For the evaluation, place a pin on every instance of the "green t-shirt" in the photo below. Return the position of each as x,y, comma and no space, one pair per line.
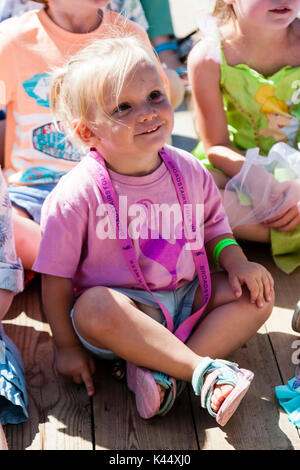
261,111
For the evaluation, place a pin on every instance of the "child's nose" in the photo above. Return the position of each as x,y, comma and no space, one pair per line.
148,112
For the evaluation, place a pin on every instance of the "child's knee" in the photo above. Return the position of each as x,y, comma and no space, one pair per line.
269,305
263,313
99,309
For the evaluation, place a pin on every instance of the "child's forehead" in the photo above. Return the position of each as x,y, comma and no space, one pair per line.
144,75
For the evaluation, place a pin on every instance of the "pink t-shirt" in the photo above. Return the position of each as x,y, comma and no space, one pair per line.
80,243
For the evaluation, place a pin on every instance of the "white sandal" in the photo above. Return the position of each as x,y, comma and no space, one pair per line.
211,372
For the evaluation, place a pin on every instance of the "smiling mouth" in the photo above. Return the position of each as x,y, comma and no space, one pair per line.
280,10
151,131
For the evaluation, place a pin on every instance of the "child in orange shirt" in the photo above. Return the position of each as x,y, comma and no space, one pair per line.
36,153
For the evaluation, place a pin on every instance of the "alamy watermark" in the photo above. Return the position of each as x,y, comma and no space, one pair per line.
146,220
296,354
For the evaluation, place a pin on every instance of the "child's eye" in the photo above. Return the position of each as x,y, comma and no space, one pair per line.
155,95
122,107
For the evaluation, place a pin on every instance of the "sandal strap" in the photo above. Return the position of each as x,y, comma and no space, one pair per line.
161,379
180,387
181,71
170,385
220,372
166,46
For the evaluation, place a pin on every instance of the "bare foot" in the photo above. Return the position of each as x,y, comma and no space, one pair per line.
161,391
219,394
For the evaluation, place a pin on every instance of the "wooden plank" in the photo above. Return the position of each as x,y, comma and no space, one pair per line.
59,412
279,324
255,425
118,426
259,423
285,342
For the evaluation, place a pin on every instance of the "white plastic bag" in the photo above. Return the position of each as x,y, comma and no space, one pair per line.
265,187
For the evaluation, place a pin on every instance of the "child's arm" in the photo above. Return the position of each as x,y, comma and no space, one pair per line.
241,271
204,76
72,359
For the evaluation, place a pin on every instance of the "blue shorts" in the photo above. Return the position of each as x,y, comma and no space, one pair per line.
178,302
13,395
30,198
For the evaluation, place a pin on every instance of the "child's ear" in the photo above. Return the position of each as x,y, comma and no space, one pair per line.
85,134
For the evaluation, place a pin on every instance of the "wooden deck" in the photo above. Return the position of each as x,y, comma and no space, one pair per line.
62,417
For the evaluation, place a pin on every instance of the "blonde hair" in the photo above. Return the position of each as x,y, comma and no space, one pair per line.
79,87
223,12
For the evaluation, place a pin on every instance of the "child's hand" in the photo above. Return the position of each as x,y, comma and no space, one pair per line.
258,280
286,221
77,363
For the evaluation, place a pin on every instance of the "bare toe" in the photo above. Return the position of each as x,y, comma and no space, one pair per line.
219,394
162,392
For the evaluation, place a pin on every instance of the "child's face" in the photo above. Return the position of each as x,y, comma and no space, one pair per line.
273,13
141,120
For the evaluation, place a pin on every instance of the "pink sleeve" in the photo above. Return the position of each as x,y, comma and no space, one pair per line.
63,233
215,218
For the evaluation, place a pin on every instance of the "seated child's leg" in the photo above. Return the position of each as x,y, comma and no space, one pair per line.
109,320
235,212
6,298
27,237
229,322
3,443
227,325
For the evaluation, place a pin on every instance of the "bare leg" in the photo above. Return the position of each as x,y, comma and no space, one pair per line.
228,322
27,235
3,442
109,320
254,232
6,298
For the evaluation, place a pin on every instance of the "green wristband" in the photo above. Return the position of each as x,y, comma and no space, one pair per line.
220,246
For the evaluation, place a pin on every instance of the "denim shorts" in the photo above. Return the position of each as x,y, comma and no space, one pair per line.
30,198
178,302
13,394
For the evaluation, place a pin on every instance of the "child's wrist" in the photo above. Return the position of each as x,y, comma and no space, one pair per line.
220,246
231,256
